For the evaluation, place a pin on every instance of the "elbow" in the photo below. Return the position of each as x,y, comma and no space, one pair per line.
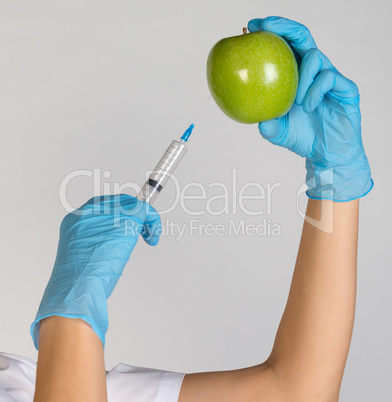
297,385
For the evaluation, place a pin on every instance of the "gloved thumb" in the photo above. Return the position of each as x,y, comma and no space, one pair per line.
152,227
273,130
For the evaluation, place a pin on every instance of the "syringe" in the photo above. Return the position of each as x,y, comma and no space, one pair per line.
166,166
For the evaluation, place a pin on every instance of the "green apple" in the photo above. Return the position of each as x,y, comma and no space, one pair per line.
253,77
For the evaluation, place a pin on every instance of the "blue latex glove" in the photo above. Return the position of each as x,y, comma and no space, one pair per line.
95,244
324,124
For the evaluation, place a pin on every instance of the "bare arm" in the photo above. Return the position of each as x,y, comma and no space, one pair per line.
310,351
314,335
70,362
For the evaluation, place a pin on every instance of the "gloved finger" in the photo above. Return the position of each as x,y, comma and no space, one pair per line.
312,64
274,130
123,209
328,81
152,228
147,218
255,25
296,34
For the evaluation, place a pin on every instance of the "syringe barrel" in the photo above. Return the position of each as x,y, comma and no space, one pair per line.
162,172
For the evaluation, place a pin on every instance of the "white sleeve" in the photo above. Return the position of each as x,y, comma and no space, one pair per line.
126,383
17,378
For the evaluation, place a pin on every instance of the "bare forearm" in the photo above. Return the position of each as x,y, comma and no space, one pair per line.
70,362
314,336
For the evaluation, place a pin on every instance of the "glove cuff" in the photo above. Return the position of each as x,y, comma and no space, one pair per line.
91,307
35,326
339,183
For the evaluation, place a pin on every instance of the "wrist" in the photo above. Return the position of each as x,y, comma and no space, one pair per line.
64,329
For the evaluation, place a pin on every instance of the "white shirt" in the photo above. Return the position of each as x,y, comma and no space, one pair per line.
124,383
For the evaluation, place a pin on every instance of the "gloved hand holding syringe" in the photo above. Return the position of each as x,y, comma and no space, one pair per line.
167,164
69,293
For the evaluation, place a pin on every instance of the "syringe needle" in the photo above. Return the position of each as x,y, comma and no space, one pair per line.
189,130
205,104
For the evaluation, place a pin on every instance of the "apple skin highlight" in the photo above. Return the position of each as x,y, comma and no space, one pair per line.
253,77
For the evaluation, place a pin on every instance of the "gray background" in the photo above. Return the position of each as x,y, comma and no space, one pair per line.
108,84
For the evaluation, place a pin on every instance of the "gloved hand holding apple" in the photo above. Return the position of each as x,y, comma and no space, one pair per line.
253,78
